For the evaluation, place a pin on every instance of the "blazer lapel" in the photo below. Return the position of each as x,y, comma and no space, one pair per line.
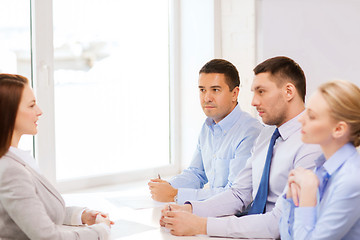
41,178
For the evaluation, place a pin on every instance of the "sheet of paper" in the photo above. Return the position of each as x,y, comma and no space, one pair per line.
123,228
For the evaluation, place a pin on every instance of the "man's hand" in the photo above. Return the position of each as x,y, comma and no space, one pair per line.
161,190
174,207
183,223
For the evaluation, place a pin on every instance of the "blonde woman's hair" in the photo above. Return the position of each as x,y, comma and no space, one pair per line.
343,98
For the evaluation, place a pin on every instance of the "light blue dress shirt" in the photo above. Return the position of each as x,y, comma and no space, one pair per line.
221,153
289,152
337,213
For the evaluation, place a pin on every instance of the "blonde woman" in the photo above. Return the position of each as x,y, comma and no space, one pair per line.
30,207
325,203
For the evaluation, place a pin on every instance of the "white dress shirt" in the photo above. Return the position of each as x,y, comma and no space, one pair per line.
289,152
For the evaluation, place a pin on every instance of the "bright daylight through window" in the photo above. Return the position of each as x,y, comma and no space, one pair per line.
111,60
15,57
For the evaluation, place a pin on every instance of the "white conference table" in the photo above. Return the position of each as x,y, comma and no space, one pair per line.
136,216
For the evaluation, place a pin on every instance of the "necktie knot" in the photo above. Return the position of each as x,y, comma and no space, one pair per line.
276,134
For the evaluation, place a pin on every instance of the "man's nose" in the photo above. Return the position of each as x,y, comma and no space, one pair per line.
254,101
208,97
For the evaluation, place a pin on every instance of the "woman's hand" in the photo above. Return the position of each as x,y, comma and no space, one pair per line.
91,217
101,218
302,187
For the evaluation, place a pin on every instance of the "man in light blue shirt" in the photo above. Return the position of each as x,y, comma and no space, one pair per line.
279,90
225,140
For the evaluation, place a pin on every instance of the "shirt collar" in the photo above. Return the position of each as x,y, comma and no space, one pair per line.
320,161
338,158
226,123
289,127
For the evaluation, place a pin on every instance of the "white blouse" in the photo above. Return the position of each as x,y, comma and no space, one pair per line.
26,157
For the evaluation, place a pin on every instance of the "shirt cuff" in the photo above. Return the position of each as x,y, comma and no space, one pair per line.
305,216
217,226
186,194
102,229
287,217
76,216
106,227
175,183
197,208
287,203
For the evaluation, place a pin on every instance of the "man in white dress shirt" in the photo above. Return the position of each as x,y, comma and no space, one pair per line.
279,90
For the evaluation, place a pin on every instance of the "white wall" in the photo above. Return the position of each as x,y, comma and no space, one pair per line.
323,36
212,29
196,48
238,43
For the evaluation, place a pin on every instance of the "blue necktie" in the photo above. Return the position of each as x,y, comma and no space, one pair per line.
262,193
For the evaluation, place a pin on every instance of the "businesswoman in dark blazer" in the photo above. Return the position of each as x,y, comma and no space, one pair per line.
30,207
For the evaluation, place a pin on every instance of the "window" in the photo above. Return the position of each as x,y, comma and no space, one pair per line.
15,45
101,73
111,61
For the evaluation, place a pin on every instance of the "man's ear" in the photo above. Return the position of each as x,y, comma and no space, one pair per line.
235,93
290,91
340,130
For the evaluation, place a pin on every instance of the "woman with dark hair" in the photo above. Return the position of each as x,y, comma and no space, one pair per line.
324,204
30,207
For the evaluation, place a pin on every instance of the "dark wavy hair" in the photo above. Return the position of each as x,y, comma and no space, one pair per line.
11,89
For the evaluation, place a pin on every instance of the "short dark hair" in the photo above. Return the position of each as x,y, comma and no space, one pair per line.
224,67
284,69
11,89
